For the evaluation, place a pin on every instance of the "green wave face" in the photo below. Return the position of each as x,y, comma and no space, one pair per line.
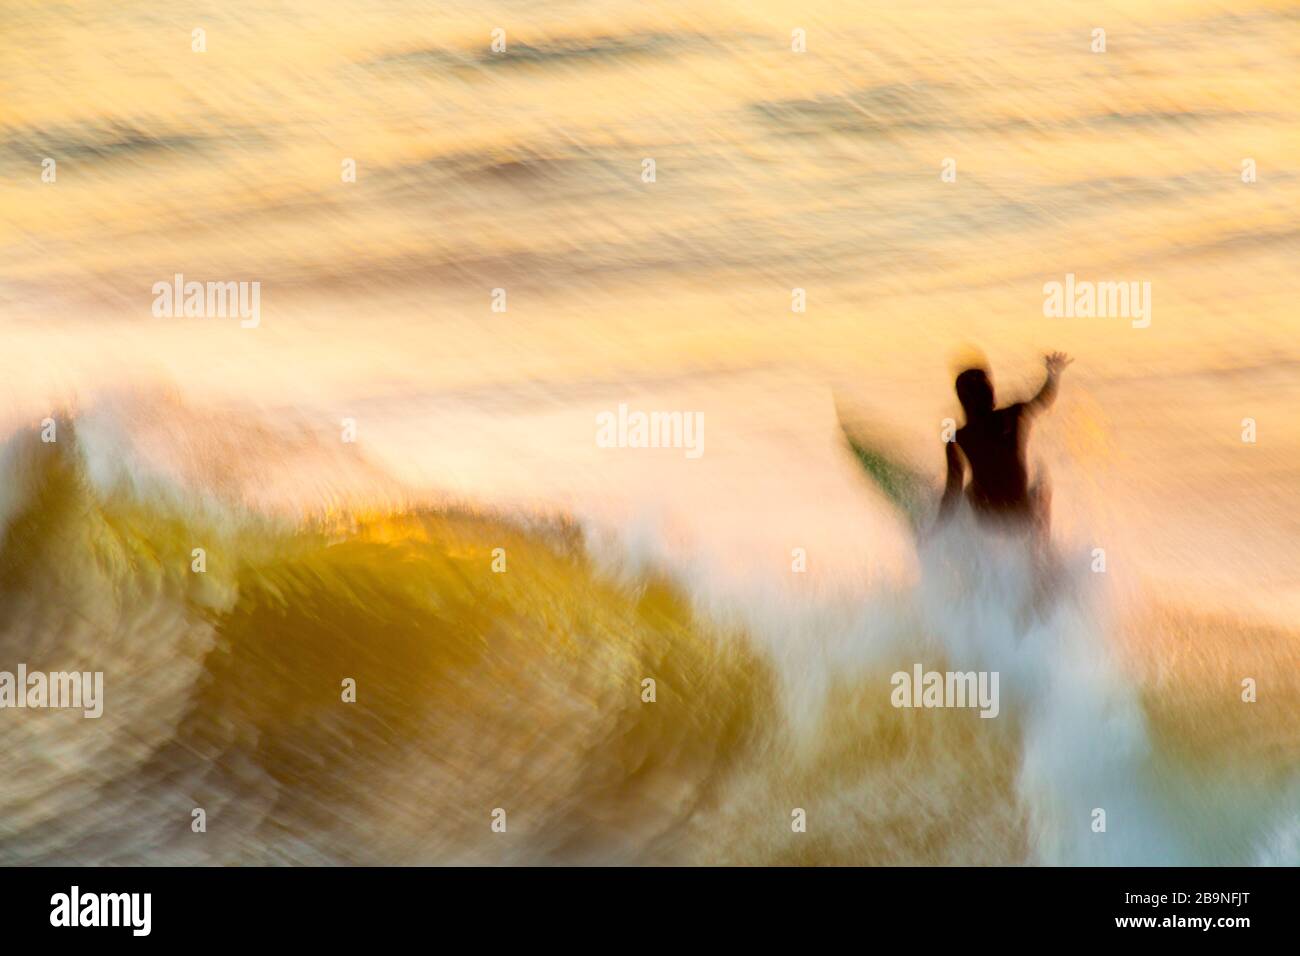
475,689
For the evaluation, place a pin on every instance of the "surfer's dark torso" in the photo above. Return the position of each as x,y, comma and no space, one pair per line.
993,442
994,446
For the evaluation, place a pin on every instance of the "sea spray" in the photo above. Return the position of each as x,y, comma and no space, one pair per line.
1083,736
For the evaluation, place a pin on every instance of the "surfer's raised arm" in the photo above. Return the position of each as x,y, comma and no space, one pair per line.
1056,363
956,477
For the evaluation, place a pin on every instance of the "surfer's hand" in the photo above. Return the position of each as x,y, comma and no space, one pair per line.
1056,362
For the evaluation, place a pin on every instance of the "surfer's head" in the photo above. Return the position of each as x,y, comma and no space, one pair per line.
975,392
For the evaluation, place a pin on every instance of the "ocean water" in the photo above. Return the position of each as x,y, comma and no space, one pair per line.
476,430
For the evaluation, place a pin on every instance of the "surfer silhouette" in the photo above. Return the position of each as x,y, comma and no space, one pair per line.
993,442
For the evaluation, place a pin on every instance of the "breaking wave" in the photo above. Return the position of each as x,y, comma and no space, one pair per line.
522,689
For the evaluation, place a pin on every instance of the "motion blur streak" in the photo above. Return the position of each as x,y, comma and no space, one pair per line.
522,171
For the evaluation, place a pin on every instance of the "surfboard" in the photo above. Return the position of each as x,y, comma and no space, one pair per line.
907,489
